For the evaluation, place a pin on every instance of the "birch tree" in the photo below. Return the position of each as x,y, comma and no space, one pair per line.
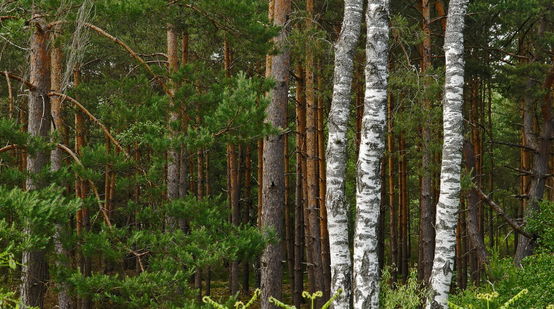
372,147
449,198
337,211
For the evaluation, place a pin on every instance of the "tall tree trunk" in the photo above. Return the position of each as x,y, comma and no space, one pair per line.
541,155
173,152
324,235
81,191
300,111
234,189
372,147
246,212
427,207
477,246
393,216
289,227
449,199
403,209
335,198
314,243
274,172
56,161
34,264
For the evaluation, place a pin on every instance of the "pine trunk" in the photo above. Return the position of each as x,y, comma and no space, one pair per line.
300,110
56,161
274,172
427,207
173,158
34,264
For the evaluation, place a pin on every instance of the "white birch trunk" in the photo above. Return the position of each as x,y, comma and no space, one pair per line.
337,210
449,198
372,147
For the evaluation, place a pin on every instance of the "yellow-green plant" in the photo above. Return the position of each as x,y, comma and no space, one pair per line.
309,296
237,305
489,299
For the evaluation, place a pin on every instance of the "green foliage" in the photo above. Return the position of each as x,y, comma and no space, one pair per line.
38,211
506,283
412,294
541,223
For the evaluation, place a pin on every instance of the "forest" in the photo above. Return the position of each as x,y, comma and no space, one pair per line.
345,154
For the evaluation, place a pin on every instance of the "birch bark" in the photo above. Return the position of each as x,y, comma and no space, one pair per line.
449,198
337,210
372,148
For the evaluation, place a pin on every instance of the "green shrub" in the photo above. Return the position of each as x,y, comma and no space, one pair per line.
536,276
410,295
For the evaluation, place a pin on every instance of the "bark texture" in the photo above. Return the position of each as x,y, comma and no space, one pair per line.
274,170
449,198
337,210
56,160
173,153
34,271
372,148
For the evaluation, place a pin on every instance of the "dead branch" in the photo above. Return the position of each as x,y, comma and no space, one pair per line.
501,212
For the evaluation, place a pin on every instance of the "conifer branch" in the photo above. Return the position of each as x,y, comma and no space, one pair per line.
133,54
103,210
91,116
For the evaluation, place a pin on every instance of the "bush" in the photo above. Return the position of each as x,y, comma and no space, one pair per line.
506,281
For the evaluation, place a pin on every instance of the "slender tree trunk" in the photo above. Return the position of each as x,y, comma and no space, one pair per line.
403,209
56,161
325,258
173,152
477,246
393,216
289,227
461,256
449,199
246,213
372,148
335,198
274,172
34,264
314,243
300,110
427,207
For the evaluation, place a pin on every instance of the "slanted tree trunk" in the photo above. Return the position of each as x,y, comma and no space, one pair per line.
541,156
477,245
34,264
274,172
335,199
449,198
372,148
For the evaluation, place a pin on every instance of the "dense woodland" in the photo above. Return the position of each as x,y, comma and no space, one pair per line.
358,154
